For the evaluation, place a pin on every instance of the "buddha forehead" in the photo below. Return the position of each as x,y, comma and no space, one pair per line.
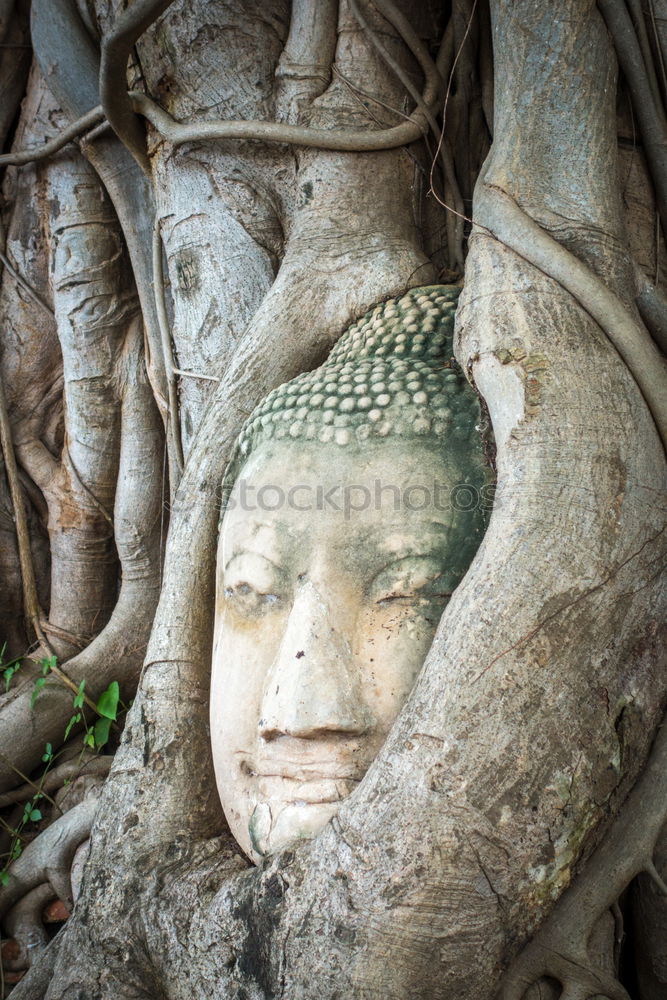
379,438
390,496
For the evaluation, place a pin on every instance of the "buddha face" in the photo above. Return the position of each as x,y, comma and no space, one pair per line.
327,601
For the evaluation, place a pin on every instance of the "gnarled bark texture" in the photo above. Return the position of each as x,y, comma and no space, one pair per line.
538,703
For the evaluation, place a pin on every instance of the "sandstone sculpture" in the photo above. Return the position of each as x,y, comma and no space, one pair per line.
355,502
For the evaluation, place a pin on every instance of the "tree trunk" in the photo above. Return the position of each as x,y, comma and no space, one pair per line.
537,706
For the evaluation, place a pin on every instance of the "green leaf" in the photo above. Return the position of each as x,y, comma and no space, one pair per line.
79,697
4,877
47,663
39,684
48,753
72,722
35,815
107,705
89,738
17,850
101,731
9,670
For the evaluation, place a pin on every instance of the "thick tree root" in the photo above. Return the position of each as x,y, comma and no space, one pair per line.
344,140
500,215
305,65
132,457
652,306
122,109
560,947
116,47
57,776
48,858
65,52
650,114
35,983
649,923
434,81
24,923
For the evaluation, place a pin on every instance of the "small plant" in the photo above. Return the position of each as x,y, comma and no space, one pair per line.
9,667
107,709
46,665
95,736
31,814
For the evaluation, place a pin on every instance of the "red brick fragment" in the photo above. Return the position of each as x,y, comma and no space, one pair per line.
55,912
11,950
11,978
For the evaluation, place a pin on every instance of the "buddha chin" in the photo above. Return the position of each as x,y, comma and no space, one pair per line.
273,827
293,787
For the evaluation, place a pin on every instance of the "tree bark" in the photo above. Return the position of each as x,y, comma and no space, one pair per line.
537,705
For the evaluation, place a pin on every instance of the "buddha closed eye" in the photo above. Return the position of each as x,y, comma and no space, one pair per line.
252,585
326,608
409,579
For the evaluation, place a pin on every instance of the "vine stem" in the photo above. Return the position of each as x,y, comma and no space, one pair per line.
73,131
174,428
55,778
342,140
31,606
29,785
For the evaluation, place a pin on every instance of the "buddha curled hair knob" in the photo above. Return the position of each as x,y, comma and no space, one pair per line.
391,373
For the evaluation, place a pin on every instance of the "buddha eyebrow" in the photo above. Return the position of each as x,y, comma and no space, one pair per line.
250,552
434,555
436,537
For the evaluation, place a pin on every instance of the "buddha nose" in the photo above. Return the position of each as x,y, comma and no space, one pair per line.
312,690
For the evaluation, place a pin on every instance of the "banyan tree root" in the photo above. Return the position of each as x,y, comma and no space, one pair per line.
65,51
649,923
25,920
104,495
25,925
49,857
501,216
560,949
98,766
652,306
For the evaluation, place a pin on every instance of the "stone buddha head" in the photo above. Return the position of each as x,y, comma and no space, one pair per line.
354,505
